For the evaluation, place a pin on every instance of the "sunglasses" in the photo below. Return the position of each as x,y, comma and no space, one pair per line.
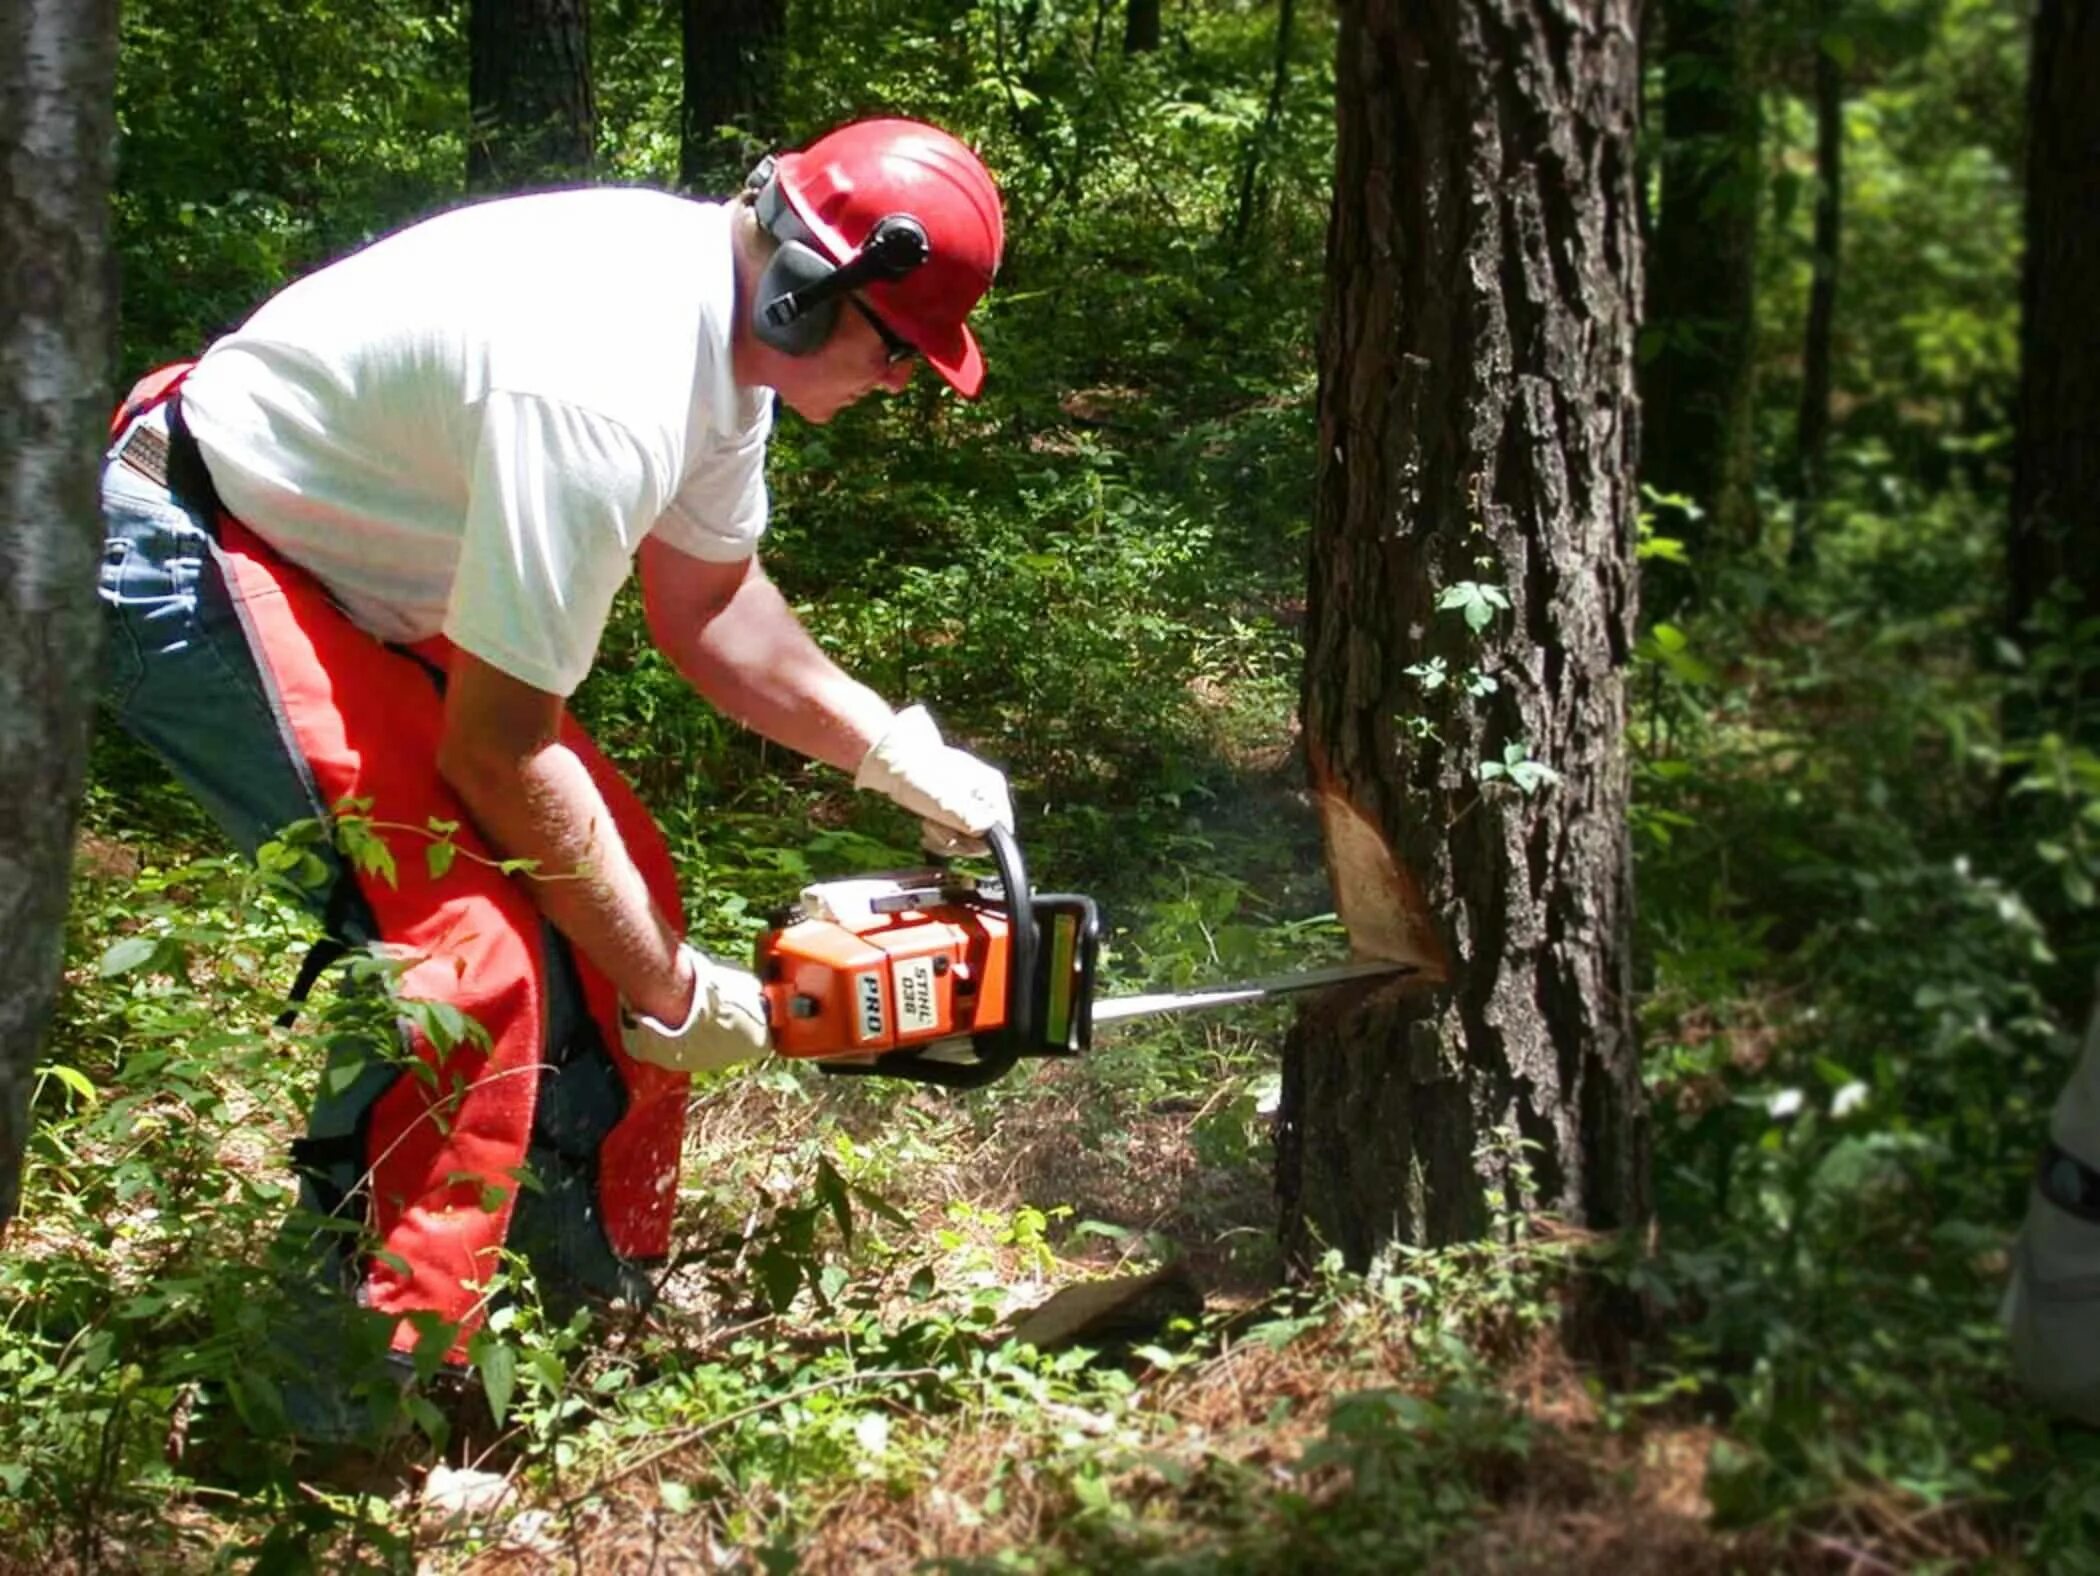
894,346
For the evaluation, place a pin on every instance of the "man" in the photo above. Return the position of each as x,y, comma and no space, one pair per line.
366,550
2052,1308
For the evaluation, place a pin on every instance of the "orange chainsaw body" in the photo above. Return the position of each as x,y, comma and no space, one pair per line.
848,981
931,976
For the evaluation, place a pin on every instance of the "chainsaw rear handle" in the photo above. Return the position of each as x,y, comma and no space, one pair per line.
997,1049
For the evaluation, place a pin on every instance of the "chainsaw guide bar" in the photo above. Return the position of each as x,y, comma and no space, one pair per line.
945,980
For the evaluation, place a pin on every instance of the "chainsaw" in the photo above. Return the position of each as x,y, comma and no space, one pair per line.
946,979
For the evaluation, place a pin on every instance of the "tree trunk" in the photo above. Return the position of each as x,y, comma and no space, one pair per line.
1471,615
732,78
2055,540
57,137
1140,27
529,85
1258,143
1812,439
1696,382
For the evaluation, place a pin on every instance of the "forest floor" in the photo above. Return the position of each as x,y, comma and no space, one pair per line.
832,1381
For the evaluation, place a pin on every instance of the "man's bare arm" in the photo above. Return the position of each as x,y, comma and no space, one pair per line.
534,799
728,629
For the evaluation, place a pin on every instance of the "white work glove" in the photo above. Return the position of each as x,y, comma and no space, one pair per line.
725,1025
958,796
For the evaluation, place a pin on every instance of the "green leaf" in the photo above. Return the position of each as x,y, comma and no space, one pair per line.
780,1273
831,1193
438,857
878,1206
127,955
1476,600
75,1080
498,1362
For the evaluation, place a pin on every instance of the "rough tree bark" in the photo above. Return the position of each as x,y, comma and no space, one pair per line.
732,78
534,122
57,139
1471,616
2055,537
1696,380
1812,428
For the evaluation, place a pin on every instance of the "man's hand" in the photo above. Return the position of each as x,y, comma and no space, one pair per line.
958,796
725,1025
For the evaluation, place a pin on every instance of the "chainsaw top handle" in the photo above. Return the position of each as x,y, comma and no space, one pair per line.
997,1049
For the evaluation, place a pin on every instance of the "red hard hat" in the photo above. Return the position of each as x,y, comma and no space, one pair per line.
850,179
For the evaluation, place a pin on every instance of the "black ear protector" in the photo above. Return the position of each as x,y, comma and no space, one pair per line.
797,305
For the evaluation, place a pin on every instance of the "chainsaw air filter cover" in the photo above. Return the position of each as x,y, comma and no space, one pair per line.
927,976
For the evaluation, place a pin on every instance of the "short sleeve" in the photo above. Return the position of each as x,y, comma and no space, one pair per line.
559,500
719,512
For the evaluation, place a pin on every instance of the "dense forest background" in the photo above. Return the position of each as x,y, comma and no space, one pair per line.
1866,821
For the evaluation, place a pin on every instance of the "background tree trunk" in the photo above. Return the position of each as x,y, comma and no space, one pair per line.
1812,430
732,75
1140,27
1696,380
529,85
1272,112
2056,453
1478,434
58,62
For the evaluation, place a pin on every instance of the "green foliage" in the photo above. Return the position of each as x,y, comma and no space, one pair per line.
254,145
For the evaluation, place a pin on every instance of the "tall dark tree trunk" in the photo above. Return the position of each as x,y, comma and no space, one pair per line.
732,79
1696,380
1140,27
1471,617
529,85
1812,428
58,61
1265,132
2055,541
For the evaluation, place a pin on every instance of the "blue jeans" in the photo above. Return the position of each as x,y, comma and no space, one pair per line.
179,675
177,672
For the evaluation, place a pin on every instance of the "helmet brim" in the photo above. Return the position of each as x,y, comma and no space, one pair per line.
953,352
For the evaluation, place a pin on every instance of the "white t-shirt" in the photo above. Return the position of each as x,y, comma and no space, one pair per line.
469,426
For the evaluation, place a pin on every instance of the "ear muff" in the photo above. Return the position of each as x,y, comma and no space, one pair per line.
795,270
797,304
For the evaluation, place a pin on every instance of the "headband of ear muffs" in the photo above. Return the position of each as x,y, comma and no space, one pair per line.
797,305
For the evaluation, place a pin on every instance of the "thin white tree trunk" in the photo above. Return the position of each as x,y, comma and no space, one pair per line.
57,131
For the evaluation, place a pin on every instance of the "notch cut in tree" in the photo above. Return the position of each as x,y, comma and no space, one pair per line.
58,63
1470,620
